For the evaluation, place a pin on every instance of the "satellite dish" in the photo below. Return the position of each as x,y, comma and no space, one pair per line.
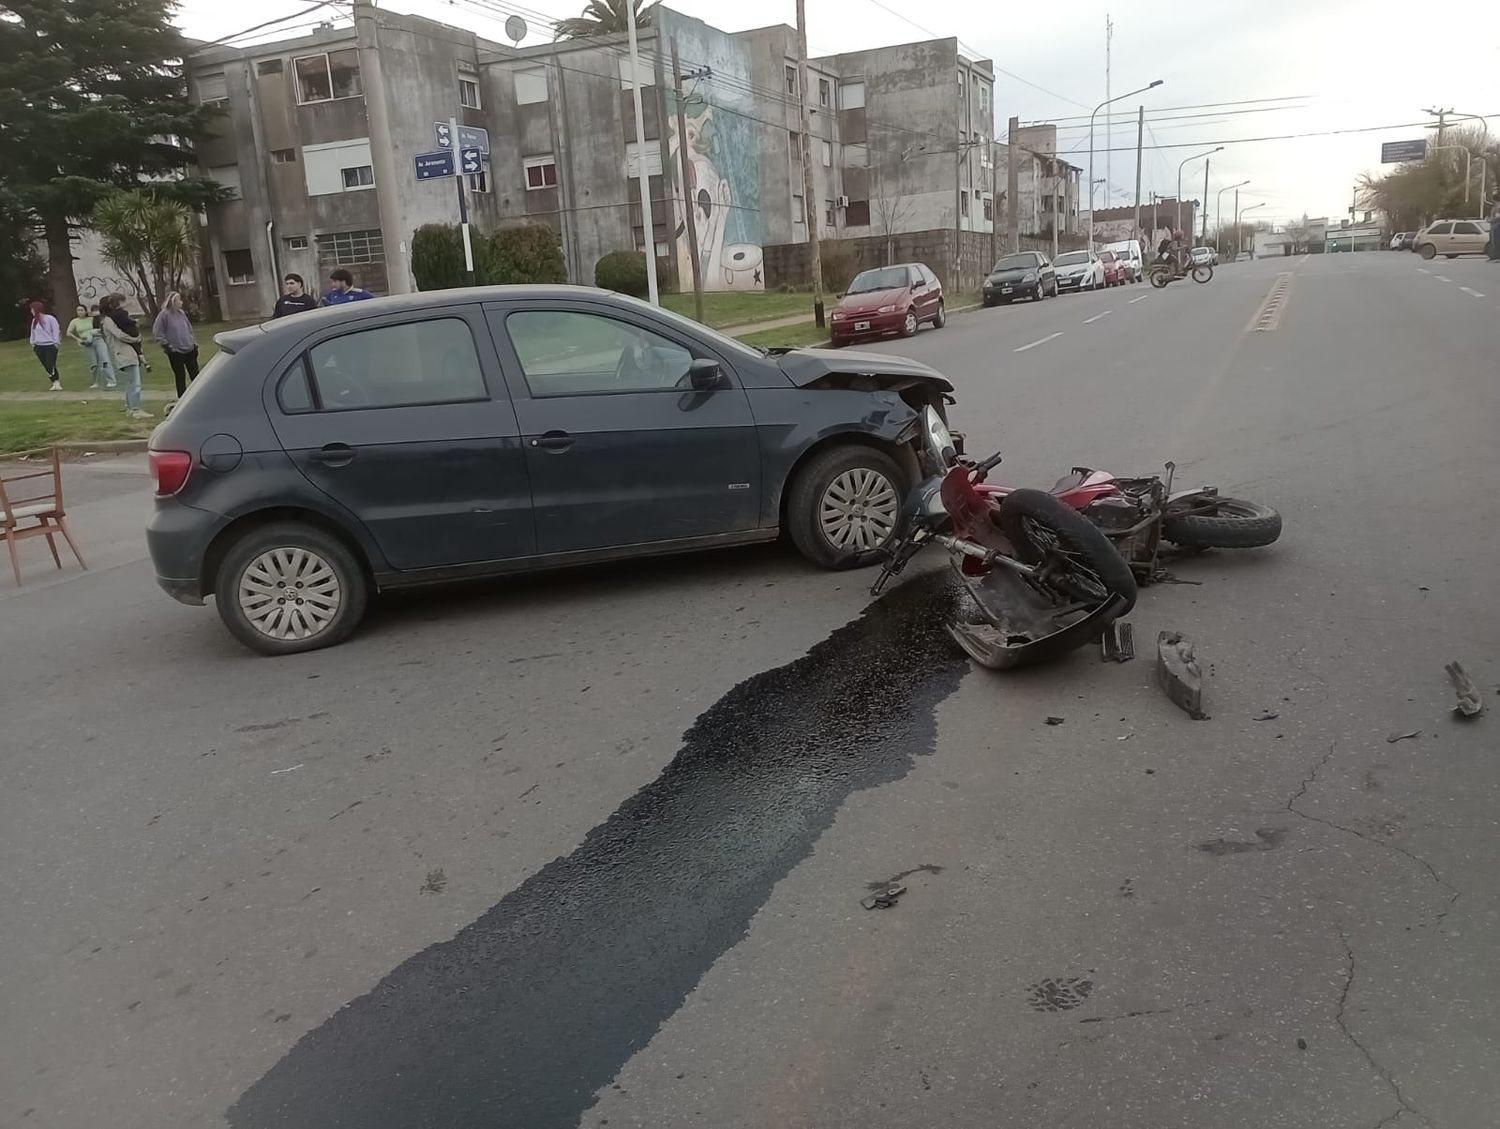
515,29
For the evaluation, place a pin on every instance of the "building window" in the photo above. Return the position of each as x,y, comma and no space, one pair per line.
791,79
856,156
989,208
794,143
351,248
827,154
531,87
227,176
857,213
541,172
283,156
213,90
468,92
830,215
296,243
825,92
360,176
239,267
322,78
984,97
799,210
960,85
268,67
323,165
852,96
480,181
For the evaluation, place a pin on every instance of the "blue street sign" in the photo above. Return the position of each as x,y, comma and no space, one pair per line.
470,160
430,166
469,137
1393,151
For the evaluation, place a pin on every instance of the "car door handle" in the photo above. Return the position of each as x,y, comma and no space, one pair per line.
553,441
333,454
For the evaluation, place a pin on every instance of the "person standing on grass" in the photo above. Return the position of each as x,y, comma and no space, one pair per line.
174,333
81,330
46,336
124,338
342,291
103,368
296,300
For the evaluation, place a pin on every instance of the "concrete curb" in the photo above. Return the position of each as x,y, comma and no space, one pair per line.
104,447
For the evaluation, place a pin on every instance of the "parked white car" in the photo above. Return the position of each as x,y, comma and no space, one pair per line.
1203,256
1079,270
1129,253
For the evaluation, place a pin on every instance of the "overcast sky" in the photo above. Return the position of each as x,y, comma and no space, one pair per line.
1335,65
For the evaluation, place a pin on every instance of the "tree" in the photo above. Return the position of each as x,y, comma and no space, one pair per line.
153,241
1416,193
890,211
604,17
92,98
23,275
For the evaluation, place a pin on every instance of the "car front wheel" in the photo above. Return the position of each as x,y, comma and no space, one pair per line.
843,506
909,326
940,318
288,587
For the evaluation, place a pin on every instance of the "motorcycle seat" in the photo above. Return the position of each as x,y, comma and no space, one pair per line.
1069,481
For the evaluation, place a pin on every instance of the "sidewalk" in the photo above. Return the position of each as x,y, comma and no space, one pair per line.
88,395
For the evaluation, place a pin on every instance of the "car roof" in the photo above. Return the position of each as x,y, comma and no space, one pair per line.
233,340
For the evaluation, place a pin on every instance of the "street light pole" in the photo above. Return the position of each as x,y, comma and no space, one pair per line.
1218,212
1238,234
1180,167
1100,106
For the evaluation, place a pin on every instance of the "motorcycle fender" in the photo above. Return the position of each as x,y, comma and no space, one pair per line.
1188,495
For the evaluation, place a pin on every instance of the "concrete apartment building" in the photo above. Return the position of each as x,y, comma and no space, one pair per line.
1047,186
902,141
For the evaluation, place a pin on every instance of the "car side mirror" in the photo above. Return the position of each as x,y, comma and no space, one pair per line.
704,374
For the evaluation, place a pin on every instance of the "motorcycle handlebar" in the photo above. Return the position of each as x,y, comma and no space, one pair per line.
982,469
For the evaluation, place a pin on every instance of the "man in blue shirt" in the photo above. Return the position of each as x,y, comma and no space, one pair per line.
343,290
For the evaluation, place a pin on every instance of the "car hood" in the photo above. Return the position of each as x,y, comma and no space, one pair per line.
1010,274
872,300
1074,268
806,367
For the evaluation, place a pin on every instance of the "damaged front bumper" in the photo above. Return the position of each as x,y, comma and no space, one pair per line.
1016,625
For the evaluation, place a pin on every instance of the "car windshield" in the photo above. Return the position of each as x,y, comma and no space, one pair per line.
886,278
1072,258
1016,262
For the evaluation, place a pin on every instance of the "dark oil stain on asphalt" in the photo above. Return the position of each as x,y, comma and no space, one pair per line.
526,1013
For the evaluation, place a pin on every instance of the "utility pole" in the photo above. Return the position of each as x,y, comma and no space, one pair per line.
687,203
809,198
1236,224
1055,218
1140,132
382,157
994,204
1013,190
1442,117
1205,198
463,205
648,227
1109,122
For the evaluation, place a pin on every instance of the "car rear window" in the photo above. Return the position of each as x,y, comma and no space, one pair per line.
420,362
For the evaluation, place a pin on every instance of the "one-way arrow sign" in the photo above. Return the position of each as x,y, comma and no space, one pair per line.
469,160
469,137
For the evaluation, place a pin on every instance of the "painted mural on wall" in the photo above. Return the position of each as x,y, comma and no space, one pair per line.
723,150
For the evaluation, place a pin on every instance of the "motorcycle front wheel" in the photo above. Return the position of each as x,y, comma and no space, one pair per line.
1203,273
1233,523
1076,560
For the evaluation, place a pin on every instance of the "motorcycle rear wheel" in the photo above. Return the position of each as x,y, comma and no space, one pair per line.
1042,529
1160,276
1234,524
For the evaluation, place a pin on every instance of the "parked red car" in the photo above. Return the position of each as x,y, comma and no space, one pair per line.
887,300
1116,272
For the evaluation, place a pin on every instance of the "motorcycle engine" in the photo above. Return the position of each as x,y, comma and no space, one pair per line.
1115,514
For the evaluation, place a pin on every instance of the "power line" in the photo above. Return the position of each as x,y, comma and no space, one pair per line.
1194,106
271,23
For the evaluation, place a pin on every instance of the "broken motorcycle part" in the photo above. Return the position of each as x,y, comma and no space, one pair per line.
1118,642
1469,704
885,897
1179,673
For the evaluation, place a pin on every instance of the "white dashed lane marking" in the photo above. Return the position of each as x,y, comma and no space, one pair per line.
1469,290
1423,270
1034,344
1442,278
1142,298
1096,317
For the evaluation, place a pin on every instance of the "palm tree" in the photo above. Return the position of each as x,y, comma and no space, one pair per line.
604,17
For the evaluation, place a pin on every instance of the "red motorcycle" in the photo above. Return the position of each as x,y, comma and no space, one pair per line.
1048,571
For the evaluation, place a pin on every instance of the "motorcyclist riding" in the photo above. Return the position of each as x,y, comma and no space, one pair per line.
1173,249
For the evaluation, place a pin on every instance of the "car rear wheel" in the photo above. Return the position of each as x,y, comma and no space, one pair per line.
288,587
940,318
843,506
909,326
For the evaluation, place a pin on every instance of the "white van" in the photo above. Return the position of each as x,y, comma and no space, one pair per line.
1128,251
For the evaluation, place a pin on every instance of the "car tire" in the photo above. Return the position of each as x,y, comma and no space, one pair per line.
821,491
909,326
1427,251
940,318
1450,256
987,302
283,554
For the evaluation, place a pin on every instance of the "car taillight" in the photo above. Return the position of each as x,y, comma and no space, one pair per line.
170,469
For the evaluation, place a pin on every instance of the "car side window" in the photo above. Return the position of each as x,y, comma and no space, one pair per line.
293,393
916,277
572,353
420,362
1440,229
1466,229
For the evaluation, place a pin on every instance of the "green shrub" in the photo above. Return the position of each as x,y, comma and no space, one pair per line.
437,256
526,253
623,272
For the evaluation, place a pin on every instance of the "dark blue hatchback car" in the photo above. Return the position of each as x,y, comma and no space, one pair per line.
430,437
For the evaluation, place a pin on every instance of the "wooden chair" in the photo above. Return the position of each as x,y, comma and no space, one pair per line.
33,510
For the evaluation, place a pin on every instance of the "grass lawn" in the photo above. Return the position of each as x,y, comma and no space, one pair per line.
25,424
740,307
787,336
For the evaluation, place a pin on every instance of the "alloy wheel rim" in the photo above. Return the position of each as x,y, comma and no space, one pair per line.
858,510
289,593
911,323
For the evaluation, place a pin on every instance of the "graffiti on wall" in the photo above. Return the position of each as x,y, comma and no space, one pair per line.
723,170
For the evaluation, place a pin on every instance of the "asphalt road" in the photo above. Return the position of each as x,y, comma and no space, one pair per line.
589,849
